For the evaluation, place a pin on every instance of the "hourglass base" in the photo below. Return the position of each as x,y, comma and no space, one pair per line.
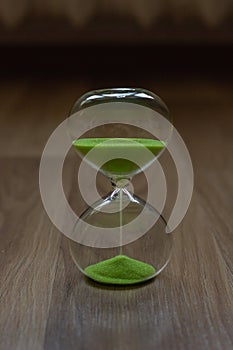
129,254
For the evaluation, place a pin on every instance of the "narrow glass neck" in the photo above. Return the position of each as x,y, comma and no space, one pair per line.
120,183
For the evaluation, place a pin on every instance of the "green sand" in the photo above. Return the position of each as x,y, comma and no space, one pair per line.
120,270
119,165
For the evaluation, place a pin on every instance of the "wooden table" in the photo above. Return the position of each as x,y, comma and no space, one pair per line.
45,301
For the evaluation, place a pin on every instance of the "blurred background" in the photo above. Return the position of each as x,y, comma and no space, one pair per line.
110,39
52,51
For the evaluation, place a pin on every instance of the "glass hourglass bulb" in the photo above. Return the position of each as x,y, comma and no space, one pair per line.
120,239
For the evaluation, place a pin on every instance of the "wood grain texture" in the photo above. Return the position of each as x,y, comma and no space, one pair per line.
45,302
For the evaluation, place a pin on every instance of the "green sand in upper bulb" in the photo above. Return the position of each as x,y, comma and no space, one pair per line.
125,145
120,270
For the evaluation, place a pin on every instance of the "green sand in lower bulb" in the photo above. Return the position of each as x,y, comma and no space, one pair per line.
120,270
125,145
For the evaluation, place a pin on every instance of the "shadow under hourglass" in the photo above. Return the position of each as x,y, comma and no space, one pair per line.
99,285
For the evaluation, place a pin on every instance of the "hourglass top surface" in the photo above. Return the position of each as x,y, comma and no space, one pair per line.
119,131
131,95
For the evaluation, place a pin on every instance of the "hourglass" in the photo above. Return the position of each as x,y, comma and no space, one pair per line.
120,239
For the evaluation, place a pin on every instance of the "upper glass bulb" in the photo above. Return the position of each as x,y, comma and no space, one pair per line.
119,131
